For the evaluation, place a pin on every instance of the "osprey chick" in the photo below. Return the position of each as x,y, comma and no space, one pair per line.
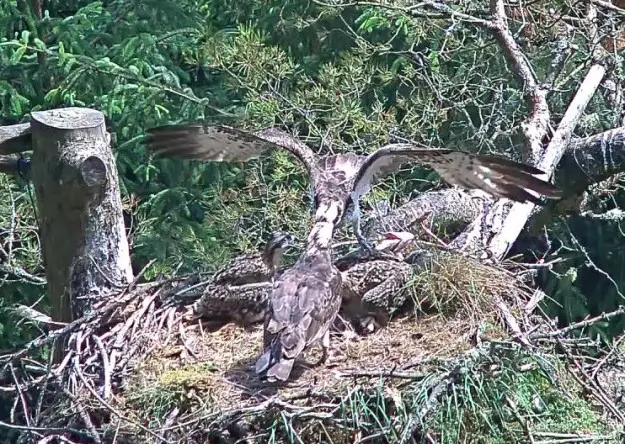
339,180
236,289
256,267
303,304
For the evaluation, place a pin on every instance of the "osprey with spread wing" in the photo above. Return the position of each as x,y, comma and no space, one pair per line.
339,180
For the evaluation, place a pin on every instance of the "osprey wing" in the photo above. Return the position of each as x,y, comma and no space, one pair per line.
244,269
303,306
495,175
220,143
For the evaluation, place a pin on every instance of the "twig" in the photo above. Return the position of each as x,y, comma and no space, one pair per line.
382,374
581,324
51,438
20,395
519,418
110,408
440,385
591,386
106,369
6,425
22,274
71,327
86,419
601,363
608,5
184,342
436,239
44,388
511,322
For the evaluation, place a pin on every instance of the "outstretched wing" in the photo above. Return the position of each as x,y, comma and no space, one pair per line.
222,143
495,175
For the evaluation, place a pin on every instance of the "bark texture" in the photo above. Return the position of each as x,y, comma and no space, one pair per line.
84,243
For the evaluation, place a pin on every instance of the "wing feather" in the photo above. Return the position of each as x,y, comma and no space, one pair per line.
223,143
304,303
495,175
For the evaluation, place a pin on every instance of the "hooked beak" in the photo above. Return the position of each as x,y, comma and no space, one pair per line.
395,240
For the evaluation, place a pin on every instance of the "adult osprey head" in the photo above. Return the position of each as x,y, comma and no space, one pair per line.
339,180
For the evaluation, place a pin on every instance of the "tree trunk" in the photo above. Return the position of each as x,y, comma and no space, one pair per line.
85,250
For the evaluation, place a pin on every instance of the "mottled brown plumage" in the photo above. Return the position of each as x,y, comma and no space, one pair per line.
338,181
243,304
374,288
256,267
303,304
239,289
371,289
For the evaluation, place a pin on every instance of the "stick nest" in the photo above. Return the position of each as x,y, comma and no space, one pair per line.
134,368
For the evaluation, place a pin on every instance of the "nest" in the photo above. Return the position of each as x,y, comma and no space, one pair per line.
136,368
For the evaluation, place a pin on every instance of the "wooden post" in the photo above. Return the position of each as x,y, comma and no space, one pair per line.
85,250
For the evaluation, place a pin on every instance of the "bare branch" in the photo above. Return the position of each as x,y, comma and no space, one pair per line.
15,138
609,6
591,160
451,207
515,220
536,127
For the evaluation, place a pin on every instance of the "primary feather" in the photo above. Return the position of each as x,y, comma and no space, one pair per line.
334,177
338,181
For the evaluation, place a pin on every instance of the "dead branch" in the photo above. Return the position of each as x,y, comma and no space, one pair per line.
15,138
536,126
591,160
449,208
582,324
506,221
609,6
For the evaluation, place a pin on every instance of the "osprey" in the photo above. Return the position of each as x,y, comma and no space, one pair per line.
338,181
303,304
373,289
237,290
256,267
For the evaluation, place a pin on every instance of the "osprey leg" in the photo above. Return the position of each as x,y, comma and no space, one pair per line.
364,243
325,346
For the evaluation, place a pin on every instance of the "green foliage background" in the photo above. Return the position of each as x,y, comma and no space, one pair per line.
346,78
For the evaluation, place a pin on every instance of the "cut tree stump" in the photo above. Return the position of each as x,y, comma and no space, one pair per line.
85,250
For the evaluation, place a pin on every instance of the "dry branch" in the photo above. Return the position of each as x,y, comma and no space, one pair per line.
15,138
513,222
591,160
496,229
446,208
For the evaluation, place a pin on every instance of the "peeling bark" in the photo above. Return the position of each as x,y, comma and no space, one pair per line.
451,208
84,243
